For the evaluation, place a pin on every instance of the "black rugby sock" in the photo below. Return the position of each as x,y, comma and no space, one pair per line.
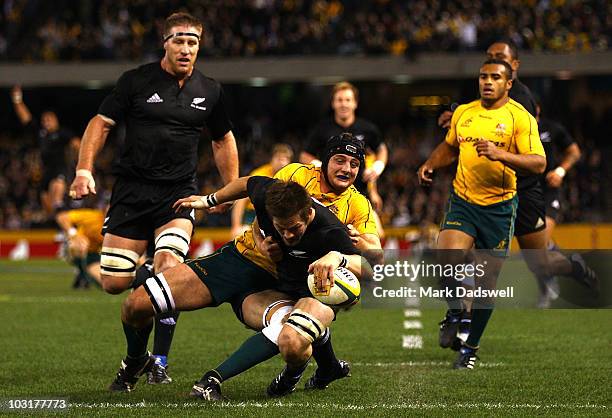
480,318
137,340
323,353
164,332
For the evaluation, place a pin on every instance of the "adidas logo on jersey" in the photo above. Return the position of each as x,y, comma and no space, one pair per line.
539,223
155,99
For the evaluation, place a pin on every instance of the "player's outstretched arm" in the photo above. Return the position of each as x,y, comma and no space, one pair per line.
225,153
444,155
236,189
92,142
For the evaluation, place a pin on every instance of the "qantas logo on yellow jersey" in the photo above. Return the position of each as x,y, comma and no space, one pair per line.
468,139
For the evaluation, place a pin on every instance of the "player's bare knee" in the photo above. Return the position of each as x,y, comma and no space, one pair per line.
164,261
293,347
136,309
113,285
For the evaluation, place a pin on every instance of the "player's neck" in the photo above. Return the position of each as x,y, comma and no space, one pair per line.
492,105
165,65
345,122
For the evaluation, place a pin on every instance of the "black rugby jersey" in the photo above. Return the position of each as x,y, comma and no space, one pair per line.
52,146
362,130
324,234
555,140
522,94
164,122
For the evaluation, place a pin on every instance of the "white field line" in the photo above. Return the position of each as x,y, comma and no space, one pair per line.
341,406
425,364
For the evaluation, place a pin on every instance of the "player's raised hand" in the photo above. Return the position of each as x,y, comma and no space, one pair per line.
82,185
425,173
487,149
270,248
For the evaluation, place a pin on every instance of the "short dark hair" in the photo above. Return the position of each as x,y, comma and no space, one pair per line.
181,19
500,62
511,45
286,199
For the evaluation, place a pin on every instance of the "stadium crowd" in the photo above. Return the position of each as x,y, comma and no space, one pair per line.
34,30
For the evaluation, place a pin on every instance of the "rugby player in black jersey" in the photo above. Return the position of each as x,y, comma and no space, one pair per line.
165,107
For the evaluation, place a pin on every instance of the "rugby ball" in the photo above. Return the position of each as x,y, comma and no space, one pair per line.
344,292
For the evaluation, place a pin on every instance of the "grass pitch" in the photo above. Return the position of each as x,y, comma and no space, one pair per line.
62,343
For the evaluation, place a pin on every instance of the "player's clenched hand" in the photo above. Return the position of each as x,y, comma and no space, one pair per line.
82,185
487,149
553,179
270,248
323,270
444,119
425,172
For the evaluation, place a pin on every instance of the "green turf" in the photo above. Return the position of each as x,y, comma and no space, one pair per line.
61,343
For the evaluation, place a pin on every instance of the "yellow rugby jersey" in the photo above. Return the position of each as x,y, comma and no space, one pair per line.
351,207
478,179
264,170
88,223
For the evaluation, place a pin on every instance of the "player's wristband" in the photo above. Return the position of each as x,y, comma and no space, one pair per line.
71,232
378,167
85,173
560,171
343,260
209,201
316,163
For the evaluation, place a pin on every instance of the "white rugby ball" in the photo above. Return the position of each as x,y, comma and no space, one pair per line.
344,292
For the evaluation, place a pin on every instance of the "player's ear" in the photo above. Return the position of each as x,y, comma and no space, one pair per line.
509,84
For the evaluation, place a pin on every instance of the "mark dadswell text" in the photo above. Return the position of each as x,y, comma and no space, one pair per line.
432,292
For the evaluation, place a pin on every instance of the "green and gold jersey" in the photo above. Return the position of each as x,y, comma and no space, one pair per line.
88,223
263,170
478,179
351,207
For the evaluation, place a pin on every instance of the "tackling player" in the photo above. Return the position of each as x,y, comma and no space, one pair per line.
491,138
286,211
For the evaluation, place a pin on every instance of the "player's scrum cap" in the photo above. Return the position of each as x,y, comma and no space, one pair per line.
345,143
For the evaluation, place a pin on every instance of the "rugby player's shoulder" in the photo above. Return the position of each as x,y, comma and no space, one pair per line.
466,106
518,110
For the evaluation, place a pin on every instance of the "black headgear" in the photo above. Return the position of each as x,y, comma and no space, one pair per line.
345,143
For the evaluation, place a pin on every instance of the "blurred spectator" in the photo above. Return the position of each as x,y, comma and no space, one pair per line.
105,29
